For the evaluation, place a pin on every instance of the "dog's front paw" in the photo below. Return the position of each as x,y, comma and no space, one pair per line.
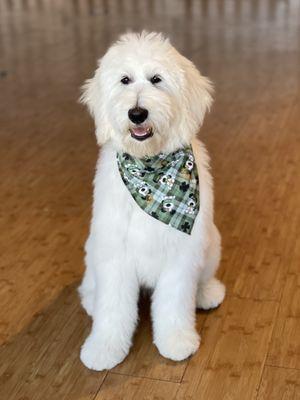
179,345
211,294
98,355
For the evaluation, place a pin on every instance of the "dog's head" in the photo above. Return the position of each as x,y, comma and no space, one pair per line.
145,96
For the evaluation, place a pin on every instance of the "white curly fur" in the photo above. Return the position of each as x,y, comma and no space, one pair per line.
126,248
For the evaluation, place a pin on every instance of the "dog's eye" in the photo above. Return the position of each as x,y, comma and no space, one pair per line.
155,79
125,80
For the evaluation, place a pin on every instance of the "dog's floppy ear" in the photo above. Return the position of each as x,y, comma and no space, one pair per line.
92,97
198,92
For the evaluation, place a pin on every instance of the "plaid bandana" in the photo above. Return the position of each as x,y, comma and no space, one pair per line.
165,186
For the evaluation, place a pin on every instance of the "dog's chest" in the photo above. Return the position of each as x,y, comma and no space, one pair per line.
124,228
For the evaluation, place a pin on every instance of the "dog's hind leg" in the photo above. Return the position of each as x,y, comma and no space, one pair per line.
210,294
211,291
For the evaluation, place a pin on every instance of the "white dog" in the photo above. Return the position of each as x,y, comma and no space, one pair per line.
148,102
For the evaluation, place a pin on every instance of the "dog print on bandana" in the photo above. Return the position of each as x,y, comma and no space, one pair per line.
165,186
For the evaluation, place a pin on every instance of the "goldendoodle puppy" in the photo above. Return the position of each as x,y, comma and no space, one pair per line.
152,223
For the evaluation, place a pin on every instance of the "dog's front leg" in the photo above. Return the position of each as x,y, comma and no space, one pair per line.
114,317
173,313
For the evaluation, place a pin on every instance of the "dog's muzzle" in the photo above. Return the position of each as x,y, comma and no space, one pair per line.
138,115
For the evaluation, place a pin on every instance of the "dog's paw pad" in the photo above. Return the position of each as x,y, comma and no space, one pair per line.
99,356
179,345
211,294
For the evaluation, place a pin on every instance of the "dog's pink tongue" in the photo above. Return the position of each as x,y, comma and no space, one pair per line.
139,131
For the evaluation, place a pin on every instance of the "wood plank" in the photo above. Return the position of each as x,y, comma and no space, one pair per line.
121,387
46,275
230,361
42,362
285,344
279,384
255,221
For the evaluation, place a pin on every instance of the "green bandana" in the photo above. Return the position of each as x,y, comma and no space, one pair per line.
165,186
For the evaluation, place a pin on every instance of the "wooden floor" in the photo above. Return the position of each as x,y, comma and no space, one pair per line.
250,345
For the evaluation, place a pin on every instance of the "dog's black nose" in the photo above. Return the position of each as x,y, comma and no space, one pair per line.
137,115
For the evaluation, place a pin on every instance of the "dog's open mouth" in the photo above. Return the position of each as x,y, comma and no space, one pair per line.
141,133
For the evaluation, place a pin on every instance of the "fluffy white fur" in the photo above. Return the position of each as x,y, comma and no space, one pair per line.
127,248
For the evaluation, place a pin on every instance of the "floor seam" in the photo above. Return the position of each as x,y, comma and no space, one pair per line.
271,337
144,377
101,384
283,367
